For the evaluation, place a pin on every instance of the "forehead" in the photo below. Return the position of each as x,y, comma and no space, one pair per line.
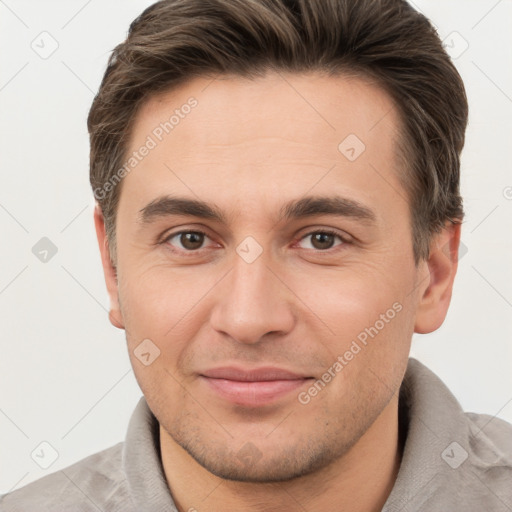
282,133
330,105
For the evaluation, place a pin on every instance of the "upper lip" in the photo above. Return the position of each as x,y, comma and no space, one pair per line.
266,373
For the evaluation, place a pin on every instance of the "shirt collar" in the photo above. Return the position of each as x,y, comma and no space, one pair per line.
434,421
142,464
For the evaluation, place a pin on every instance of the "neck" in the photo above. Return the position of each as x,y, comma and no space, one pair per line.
360,481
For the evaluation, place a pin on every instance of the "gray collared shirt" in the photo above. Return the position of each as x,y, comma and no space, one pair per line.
452,461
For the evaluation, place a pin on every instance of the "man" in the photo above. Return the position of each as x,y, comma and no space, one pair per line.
278,212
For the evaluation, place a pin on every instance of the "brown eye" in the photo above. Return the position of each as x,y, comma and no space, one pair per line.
189,240
192,240
321,240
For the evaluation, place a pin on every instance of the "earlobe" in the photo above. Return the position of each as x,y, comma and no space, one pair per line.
109,270
115,318
442,268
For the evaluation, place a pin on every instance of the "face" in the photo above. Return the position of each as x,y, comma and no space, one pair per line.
264,249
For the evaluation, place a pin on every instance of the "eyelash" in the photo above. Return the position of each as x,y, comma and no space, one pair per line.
344,240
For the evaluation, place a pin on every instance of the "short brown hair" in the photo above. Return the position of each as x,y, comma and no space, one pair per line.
387,41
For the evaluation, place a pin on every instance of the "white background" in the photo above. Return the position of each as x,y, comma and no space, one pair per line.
65,377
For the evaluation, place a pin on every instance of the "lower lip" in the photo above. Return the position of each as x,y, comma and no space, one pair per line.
253,393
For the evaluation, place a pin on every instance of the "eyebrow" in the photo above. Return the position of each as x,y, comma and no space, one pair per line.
295,209
330,205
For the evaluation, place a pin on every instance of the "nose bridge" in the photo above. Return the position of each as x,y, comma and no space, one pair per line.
250,283
253,302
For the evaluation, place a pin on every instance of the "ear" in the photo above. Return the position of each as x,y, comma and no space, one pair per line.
441,269
109,269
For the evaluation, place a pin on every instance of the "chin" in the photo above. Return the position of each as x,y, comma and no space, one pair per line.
267,465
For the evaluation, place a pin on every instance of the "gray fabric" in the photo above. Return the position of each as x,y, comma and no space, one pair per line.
128,477
426,481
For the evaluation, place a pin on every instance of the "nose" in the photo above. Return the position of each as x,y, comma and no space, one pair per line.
253,302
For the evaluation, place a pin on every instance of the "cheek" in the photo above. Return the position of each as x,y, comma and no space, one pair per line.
365,320
366,346
160,320
155,298
166,306
348,300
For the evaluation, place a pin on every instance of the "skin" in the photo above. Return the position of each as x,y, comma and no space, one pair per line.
249,147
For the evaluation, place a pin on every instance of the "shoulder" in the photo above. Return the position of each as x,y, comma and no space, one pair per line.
477,475
94,483
490,447
452,460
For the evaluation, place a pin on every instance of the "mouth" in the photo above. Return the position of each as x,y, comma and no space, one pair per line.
252,388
